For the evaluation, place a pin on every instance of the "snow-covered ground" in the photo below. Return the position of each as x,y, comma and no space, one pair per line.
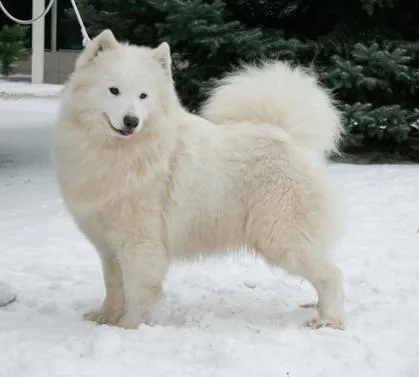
23,88
229,317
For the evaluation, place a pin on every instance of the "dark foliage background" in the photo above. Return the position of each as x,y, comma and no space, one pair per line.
367,51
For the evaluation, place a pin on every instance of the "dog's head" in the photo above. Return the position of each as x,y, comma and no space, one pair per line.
119,86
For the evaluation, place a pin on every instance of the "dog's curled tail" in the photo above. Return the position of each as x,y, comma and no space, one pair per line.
277,93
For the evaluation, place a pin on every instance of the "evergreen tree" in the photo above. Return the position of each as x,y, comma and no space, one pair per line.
12,47
203,42
366,51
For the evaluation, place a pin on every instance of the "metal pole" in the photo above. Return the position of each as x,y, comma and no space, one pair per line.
54,12
38,42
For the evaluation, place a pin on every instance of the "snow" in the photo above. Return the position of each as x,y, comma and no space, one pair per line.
23,88
226,317
6,294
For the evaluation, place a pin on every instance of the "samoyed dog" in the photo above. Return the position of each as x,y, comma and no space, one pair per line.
147,182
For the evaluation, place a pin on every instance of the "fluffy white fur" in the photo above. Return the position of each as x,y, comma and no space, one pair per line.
278,94
181,186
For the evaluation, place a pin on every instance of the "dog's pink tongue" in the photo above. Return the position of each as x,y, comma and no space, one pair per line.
126,133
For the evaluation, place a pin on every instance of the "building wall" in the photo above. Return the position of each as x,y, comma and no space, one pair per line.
57,67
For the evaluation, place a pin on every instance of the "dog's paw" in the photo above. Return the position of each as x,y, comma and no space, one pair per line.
131,322
95,315
102,317
319,322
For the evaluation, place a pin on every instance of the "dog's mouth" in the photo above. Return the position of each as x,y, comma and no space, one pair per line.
125,132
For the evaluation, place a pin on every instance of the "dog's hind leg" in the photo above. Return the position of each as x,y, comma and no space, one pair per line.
144,267
327,280
320,272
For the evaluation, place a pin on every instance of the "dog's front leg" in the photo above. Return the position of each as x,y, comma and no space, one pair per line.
111,311
144,266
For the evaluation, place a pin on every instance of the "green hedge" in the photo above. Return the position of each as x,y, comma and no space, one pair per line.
366,51
12,47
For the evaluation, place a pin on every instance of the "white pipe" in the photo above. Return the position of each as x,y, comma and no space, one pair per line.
38,45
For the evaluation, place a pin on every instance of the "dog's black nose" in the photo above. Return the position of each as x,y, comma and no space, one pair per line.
130,121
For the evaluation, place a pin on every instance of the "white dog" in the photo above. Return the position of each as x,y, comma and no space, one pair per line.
147,182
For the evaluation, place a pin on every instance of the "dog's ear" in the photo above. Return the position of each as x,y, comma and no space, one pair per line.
162,54
103,41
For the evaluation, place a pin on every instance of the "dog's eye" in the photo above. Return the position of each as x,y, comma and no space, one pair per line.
143,95
114,91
